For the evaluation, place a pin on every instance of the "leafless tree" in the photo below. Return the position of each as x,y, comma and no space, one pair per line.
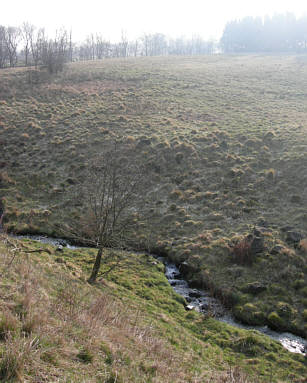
145,41
37,42
102,47
3,49
55,52
124,45
27,31
12,38
110,197
134,48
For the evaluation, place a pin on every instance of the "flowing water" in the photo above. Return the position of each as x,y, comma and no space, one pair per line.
201,301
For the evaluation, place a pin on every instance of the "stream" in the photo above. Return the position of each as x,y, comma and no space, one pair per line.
201,301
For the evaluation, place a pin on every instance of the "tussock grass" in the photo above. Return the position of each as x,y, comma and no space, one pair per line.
223,138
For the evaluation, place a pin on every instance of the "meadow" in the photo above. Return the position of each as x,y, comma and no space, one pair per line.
224,139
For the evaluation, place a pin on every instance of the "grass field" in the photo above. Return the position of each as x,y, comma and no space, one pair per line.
224,140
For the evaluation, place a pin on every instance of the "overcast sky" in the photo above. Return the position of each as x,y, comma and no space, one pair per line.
172,17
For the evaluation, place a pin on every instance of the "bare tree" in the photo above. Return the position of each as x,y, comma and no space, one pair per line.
27,31
55,52
134,48
110,197
102,47
145,41
12,37
124,45
3,49
37,42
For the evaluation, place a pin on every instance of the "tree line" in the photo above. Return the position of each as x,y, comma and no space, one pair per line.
279,33
28,45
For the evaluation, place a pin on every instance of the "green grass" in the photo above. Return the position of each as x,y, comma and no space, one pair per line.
131,324
224,141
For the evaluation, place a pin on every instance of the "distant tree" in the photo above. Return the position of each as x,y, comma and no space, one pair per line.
134,48
55,52
11,40
110,196
279,33
145,42
37,43
27,31
124,45
3,49
102,47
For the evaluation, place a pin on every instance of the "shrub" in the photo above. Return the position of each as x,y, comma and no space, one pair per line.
242,252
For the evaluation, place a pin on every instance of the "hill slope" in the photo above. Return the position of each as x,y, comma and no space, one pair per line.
224,142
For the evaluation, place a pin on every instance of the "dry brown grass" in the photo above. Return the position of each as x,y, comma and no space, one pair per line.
303,245
242,252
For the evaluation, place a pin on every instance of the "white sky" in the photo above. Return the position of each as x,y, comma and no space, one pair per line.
172,17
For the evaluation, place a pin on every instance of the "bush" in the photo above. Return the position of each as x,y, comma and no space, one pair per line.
242,252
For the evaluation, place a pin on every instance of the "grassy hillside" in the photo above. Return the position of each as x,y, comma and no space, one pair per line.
130,327
224,141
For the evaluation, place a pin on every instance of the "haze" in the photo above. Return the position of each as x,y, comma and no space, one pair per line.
135,17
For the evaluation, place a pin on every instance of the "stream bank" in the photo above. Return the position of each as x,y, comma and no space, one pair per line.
200,300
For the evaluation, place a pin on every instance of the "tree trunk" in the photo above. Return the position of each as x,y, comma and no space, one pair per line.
96,267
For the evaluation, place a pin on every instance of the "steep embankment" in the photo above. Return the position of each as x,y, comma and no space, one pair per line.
224,142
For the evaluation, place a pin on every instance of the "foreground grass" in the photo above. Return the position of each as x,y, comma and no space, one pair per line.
224,141
130,327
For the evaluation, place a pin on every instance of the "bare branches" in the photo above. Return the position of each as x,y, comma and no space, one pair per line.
110,194
9,39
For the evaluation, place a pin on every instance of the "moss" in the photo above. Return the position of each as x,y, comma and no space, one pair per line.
285,310
250,314
276,321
